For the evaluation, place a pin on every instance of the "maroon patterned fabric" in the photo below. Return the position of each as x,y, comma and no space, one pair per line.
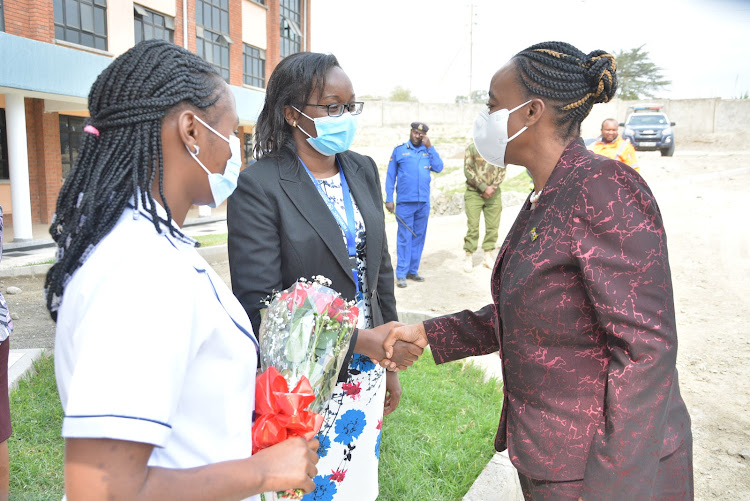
583,316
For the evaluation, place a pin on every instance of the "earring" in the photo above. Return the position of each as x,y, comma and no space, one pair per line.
197,150
294,123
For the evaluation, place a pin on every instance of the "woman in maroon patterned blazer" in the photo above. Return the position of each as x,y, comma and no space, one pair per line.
582,312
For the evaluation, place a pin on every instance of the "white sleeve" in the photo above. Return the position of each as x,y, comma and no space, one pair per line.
133,341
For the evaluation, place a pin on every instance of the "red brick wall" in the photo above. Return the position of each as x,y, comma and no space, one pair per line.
273,29
45,164
236,48
273,51
52,170
30,19
41,20
36,153
178,22
191,24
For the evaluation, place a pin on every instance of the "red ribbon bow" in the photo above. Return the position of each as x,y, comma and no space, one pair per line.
281,413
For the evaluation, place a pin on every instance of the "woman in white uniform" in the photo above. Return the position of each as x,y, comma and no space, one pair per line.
154,356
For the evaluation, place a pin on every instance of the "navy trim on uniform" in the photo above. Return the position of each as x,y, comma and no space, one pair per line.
147,215
119,416
203,271
244,331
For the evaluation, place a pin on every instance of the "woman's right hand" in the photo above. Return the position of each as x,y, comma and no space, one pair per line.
414,335
404,354
289,465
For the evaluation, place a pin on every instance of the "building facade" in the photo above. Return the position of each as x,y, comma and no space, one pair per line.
51,51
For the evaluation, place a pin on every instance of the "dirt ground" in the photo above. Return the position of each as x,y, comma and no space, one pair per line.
702,192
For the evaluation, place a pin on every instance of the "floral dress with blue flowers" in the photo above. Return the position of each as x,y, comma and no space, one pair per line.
350,436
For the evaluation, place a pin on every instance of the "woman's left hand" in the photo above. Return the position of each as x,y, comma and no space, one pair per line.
392,392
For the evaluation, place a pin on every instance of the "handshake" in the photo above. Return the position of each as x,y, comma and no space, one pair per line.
395,346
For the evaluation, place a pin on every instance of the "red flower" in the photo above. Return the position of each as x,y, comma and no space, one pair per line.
338,475
299,295
352,390
336,309
380,424
353,315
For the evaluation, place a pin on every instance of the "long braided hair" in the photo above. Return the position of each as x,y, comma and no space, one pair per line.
121,161
572,80
291,84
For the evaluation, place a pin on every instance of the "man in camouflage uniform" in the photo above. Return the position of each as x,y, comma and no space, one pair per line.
482,195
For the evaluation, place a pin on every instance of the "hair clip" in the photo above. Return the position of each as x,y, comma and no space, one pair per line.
91,130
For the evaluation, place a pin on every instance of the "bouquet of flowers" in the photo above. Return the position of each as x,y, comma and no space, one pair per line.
304,337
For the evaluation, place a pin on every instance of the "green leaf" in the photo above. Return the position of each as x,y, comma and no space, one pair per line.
299,339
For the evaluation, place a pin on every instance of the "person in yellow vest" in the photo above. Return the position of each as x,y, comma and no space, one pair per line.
615,147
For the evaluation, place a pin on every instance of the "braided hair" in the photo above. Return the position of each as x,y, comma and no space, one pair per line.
121,159
291,84
572,80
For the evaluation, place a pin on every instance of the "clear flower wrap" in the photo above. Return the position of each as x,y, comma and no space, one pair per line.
304,334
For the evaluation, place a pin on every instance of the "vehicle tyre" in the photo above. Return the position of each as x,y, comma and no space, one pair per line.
668,152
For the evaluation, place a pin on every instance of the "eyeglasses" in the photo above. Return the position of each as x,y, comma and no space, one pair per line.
336,110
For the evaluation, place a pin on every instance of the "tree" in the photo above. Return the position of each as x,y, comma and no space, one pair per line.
402,94
479,96
637,76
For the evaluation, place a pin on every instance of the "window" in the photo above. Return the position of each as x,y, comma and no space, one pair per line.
150,25
254,67
212,33
71,129
291,35
2,17
4,168
83,22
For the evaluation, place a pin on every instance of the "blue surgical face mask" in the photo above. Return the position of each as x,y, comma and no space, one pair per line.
335,134
222,185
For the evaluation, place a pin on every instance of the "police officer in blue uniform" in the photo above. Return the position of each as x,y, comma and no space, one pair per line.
409,172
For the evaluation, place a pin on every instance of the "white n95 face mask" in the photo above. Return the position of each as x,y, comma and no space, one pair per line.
491,134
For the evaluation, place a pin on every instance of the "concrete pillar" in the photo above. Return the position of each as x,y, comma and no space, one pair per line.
18,158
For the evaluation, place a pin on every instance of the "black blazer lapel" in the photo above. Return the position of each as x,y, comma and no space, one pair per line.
300,189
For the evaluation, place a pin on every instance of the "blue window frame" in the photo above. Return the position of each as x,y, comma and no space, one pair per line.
254,67
71,129
212,33
150,25
291,35
82,22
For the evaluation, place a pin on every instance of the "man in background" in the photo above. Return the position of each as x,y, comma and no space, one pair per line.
482,195
409,172
615,147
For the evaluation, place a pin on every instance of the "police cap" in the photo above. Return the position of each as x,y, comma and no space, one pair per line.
421,127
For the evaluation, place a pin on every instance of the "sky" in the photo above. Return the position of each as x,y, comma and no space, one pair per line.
703,46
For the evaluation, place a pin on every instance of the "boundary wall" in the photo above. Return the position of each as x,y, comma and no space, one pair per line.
691,116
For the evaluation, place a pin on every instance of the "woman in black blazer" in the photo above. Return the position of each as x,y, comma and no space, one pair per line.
289,218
